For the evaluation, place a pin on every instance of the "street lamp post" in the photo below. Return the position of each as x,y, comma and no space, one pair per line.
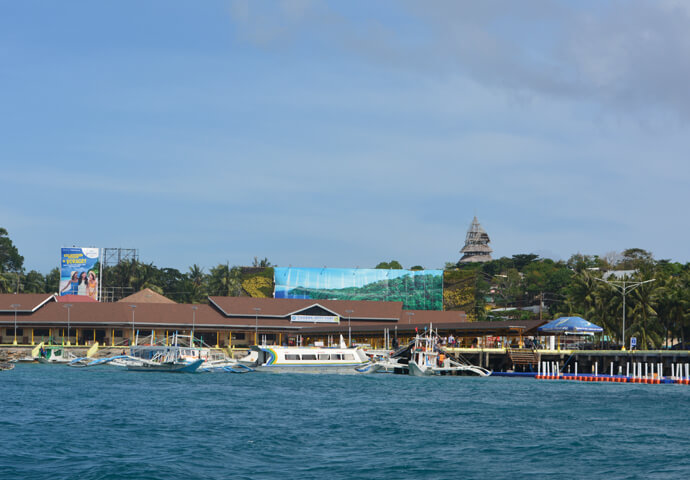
132,307
349,329
68,306
624,287
15,306
194,307
256,325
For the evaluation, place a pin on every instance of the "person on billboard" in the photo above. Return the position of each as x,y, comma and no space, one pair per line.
81,287
72,284
92,286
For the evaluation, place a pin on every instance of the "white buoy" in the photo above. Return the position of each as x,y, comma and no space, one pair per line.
576,369
596,369
627,369
612,369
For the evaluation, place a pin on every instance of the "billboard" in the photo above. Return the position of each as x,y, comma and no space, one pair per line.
79,269
417,289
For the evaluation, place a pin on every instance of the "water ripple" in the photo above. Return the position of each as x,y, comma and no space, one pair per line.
106,423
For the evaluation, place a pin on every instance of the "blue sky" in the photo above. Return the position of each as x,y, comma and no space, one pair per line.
343,134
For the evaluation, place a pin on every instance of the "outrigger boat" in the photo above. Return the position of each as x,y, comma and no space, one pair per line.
276,358
423,357
178,357
52,354
160,359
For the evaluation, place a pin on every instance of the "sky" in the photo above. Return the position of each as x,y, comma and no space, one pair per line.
343,134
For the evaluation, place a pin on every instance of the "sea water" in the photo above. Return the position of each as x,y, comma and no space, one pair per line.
105,423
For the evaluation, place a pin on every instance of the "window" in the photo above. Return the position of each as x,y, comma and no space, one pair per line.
117,333
309,356
337,356
41,332
291,356
10,332
349,356
324,356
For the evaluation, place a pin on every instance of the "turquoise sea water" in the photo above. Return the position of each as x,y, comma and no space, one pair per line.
59,422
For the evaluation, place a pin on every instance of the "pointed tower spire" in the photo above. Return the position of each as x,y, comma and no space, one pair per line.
476,247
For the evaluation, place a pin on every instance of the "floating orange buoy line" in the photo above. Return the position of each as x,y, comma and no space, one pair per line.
652,375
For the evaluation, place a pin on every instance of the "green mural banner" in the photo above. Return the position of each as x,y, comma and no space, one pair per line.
417,289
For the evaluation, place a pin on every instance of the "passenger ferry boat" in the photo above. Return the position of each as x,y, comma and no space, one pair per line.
276,358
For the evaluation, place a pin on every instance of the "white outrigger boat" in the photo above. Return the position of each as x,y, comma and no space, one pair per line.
276,358
160,359
421,358
155,356
52,354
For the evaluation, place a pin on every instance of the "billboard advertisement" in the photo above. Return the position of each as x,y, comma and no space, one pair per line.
417,289
79,269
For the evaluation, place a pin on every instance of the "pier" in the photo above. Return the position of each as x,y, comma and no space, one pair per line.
612,362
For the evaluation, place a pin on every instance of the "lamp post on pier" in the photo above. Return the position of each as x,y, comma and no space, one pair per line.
132,307
624,287
68,306
349,329
256,325
191,339
15,306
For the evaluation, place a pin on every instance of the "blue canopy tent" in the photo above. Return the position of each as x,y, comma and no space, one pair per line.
569,326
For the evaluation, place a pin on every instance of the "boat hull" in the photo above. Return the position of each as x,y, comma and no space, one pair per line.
172,367
320,369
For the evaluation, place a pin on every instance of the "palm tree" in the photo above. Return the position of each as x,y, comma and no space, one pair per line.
644,323
198,280
225,281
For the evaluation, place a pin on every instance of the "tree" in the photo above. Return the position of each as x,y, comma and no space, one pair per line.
33,282
264,263
392,265
635,259
225,281
520,261
10,260
642,316
52,282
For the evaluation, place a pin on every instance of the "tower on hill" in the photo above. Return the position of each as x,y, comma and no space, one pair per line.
476,247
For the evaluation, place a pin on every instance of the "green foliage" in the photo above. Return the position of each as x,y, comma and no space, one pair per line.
392,265
10,260
459,287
